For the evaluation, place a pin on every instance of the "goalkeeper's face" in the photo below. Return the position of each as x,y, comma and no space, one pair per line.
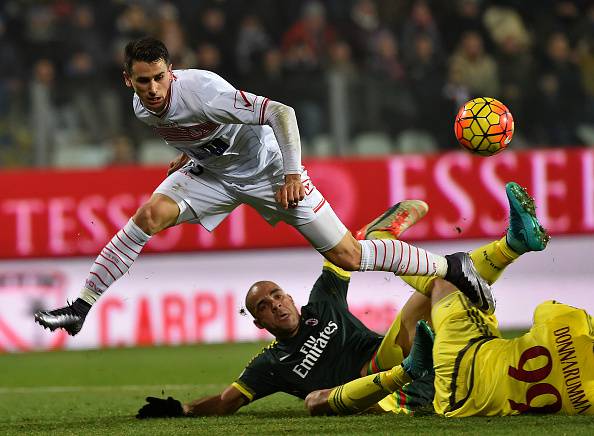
273,309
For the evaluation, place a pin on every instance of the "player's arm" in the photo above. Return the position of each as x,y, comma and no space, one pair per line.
283,121
225,403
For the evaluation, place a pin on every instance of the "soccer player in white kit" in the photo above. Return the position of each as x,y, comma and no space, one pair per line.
236,148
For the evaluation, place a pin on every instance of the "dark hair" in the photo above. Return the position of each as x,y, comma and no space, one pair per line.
145,49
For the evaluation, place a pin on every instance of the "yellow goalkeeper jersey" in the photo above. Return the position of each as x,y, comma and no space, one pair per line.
550,369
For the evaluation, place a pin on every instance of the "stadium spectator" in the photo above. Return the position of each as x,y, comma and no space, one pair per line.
253,42
44,98
170,31
586,66
515,68
384,60
214,40
560,16
341,60
133,22
269,76
209,57
559,94
474,68
342,73
466,16
12,75
504,23
14,131
389,104
362,28
311,33
426,75
419,22
41,31
305,48
89,39
88,104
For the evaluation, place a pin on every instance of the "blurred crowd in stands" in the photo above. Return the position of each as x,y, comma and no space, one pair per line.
391,70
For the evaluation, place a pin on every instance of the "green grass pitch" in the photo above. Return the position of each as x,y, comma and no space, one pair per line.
98,392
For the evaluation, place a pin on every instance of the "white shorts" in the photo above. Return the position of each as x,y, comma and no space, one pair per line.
206,199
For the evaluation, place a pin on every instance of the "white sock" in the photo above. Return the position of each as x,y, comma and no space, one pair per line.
114,261
400,258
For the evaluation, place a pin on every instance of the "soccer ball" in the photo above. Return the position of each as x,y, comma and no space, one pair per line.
484,126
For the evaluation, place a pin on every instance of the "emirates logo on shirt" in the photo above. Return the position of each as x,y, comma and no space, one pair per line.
314,347
311,322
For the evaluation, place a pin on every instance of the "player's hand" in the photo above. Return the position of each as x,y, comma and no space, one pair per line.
177,163
316,402
160,408
291,193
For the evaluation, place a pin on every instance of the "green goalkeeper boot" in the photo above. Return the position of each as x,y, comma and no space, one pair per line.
525,233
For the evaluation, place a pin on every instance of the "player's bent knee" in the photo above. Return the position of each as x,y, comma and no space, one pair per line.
145,219
325,232
156,215
346,255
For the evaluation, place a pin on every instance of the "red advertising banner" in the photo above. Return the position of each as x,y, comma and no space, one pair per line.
51,213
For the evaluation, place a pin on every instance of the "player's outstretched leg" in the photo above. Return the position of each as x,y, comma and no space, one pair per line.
525,232
459,271
393,222
523,235
113,262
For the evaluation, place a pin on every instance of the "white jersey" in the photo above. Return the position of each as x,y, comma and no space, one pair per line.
217,126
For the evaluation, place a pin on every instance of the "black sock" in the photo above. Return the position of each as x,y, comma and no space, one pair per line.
454,268
81,307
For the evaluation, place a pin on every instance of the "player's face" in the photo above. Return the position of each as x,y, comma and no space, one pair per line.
151,82
275,311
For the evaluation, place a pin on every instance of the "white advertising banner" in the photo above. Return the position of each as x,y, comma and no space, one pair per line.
198,297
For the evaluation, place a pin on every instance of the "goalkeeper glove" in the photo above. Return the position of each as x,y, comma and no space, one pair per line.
160,408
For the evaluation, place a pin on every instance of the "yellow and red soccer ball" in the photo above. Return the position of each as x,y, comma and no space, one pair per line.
484,126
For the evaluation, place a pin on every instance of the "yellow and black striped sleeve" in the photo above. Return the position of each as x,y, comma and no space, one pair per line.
244,389
257,380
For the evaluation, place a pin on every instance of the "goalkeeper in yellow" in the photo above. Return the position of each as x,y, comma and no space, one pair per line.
550,369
